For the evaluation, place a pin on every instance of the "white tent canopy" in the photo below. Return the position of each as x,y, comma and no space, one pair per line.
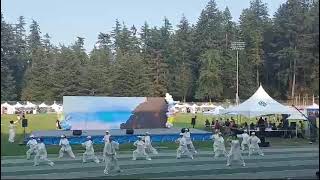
260,103
178,106
10,108
296,117
56,107
5,105
18,105
216,111
30,105
313,106
43,105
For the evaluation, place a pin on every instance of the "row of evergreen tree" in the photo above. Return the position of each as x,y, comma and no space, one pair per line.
193,62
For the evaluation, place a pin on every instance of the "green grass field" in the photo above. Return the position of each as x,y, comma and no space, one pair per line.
47,122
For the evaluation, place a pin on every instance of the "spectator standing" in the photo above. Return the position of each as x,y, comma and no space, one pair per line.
207,123
212,123
217,125
313,127
301,129
252,126
193,121
285,127
58,126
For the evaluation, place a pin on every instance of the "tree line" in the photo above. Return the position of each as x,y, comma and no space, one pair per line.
192,62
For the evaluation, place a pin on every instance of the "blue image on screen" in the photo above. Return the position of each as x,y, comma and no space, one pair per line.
96,113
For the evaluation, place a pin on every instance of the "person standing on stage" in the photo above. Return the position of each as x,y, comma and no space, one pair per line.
147,141
254,145
183,149
106,140
89,153
235,152
218,145
187,136
32,143
41,153
109,155
65,147
245,140
141,149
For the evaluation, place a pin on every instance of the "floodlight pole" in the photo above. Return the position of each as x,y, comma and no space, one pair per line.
237,94
237,46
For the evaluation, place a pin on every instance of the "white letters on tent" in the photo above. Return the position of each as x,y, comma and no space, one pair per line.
260,103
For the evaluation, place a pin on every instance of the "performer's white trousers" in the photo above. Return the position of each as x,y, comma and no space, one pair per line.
111,162
90,155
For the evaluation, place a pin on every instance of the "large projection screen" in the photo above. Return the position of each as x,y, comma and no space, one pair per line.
97,113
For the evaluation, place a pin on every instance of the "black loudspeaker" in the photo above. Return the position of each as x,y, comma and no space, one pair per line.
77,132
24,123
129,131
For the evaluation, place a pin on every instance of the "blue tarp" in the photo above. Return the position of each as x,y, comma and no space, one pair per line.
124,138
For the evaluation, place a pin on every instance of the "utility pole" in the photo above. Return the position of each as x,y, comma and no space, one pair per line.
238,45
294,73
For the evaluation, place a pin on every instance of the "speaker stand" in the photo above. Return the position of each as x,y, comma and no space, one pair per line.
24,136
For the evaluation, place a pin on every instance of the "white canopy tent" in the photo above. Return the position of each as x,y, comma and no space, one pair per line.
313,106
5,104
18,105
30,105
296,117
216,111
178,106
260,103
193,108
56,107
9,108
43,105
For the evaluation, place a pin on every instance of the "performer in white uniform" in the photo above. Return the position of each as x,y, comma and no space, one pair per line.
183,149
214,136
235,152
141,149
89,153
32,143
254,145
245,140
105,140
41,154
219,146
187,136
12,131
65,147
149,147
109,156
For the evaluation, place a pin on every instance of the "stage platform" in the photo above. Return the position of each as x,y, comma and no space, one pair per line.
157,135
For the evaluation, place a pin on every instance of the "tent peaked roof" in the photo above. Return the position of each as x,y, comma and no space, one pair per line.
43,105
18,105
260,103
313,106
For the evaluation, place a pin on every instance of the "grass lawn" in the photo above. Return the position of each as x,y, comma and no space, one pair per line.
47,122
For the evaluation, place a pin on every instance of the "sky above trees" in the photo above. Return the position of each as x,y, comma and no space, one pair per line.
65,20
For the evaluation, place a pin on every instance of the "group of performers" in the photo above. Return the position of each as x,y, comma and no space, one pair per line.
144,148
